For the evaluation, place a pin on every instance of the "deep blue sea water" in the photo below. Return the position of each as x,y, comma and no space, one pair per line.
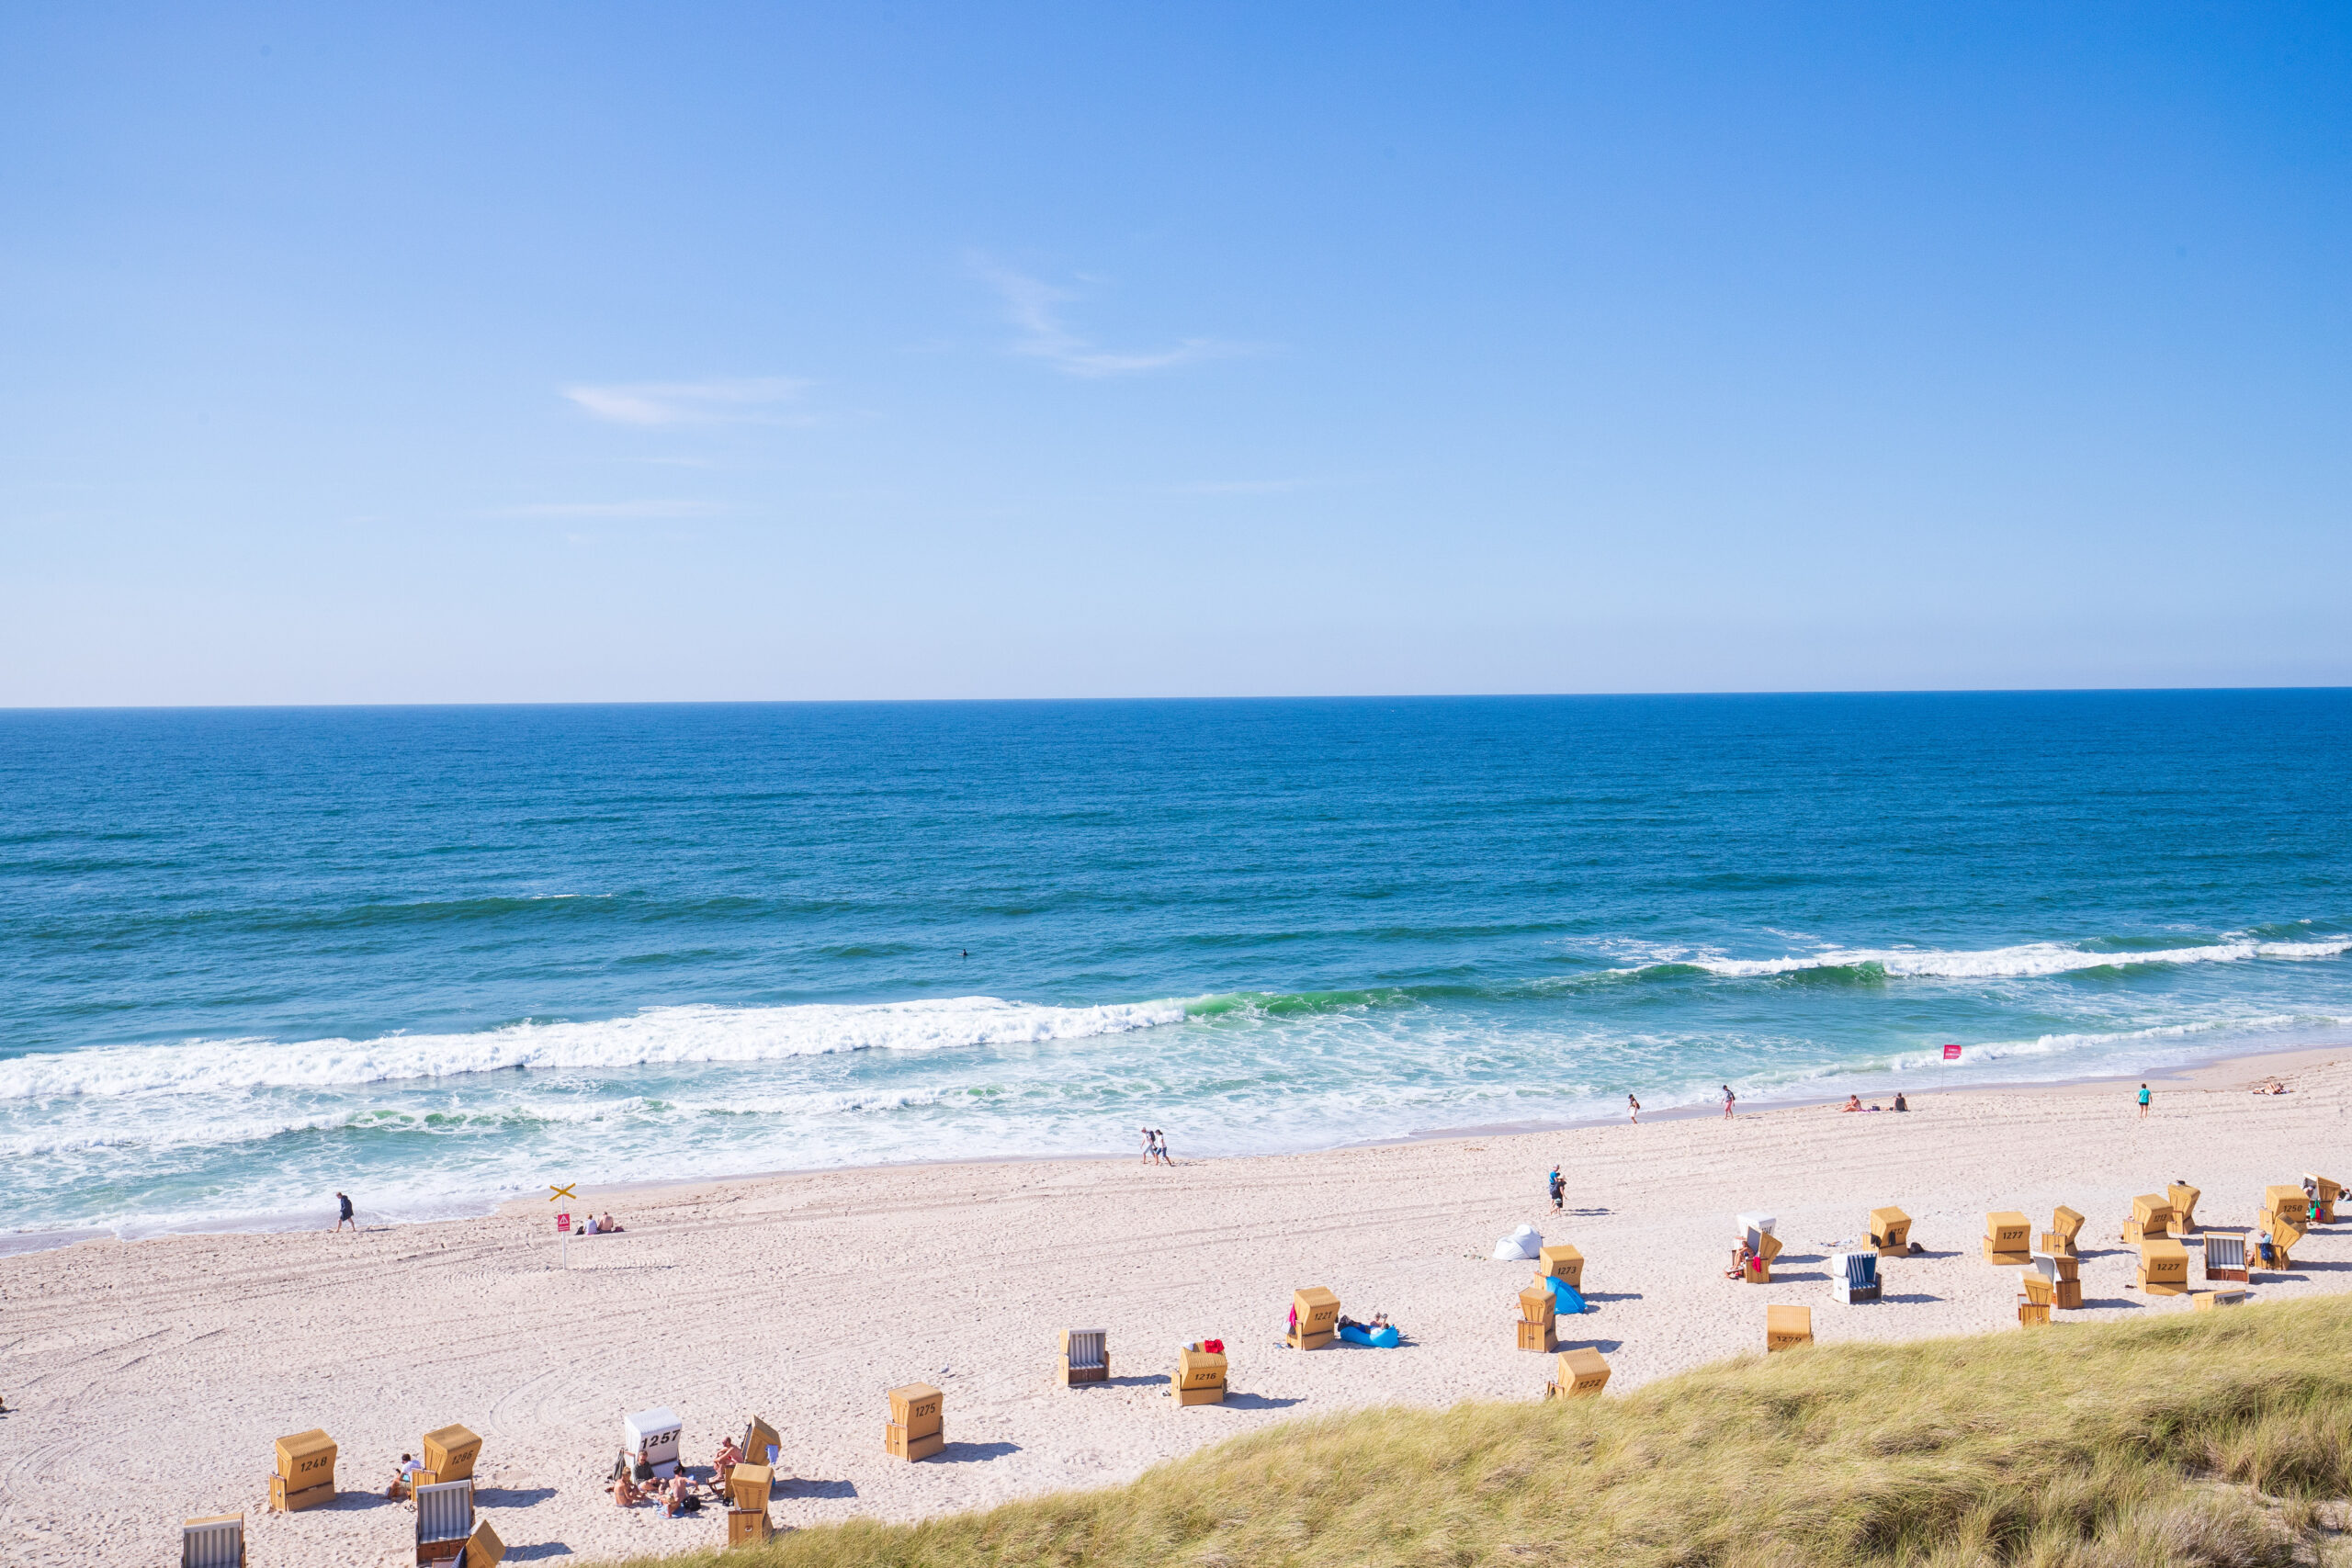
434,956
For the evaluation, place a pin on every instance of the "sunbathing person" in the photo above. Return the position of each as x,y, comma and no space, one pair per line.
726,1459
626,1493
1853,1102
1739,1257
610,1227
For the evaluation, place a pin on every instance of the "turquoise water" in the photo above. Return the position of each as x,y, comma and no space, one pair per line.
436,956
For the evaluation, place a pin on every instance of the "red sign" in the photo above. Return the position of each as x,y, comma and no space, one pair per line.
564,1222
1952,1052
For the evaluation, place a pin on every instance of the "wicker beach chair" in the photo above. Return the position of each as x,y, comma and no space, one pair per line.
444,1519
2063,1272
1785,1327
2005,1233
1853,1276
1316,1311
2225,1257
483,1548
215,1542
1577,1374
1084,1357
918,1428
305,1476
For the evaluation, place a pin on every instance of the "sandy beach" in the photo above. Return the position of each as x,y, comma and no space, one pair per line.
145,1381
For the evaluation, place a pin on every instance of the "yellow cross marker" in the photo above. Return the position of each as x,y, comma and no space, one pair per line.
556,1192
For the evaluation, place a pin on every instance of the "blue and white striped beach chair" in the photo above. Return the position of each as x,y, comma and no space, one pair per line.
1854,1276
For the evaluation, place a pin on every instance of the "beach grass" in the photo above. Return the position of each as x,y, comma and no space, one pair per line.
2206,1438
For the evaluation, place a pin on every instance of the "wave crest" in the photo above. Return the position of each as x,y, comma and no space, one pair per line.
1866,966
655,1036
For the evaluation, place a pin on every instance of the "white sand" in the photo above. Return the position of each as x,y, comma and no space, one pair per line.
146,1382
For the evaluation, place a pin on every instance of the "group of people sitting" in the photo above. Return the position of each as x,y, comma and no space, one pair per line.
633,1481
1854,1102
610,1227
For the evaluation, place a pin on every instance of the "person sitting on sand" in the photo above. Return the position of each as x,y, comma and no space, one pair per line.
610,1227
1899,1104
682,1495
1853,1102
625,1493
589,1227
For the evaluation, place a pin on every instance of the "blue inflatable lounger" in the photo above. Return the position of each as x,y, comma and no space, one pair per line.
1381,1338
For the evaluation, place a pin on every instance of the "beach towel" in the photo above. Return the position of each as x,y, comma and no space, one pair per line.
1519,1246
1377,1339
1565,1297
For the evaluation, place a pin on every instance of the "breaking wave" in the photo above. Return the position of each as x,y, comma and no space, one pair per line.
656,1036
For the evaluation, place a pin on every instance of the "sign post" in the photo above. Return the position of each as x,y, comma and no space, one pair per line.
563,1220
1952,1052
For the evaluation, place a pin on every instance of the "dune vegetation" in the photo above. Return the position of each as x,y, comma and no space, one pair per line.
2206,1438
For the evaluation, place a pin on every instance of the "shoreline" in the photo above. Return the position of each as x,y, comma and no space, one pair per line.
802,1297
2285,1059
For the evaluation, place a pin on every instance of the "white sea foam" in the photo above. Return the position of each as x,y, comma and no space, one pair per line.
655,1036
2026,961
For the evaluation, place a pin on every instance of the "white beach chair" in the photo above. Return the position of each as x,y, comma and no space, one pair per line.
655,1434
444,1517
2225,1257
1083,1358
1854,1276
215,1542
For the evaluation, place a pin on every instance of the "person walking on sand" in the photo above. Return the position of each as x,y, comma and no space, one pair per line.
344,1200
1160,1145
1729,1101
1559,1192
1632,1109
1146,1145
2143,1103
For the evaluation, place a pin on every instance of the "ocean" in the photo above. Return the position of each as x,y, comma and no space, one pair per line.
437,957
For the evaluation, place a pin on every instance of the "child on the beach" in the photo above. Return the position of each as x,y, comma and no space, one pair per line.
1632,1109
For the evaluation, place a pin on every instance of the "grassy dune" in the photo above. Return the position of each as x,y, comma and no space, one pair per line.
2193,1438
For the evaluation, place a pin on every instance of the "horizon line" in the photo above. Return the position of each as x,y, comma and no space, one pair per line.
1283,697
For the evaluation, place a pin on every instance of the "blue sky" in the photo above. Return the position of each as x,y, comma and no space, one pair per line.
597,352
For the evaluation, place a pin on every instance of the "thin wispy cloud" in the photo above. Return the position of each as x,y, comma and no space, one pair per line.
1246,487
1035,306
755,400
657,507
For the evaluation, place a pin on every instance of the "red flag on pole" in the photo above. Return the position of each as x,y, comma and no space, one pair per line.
1952,1052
